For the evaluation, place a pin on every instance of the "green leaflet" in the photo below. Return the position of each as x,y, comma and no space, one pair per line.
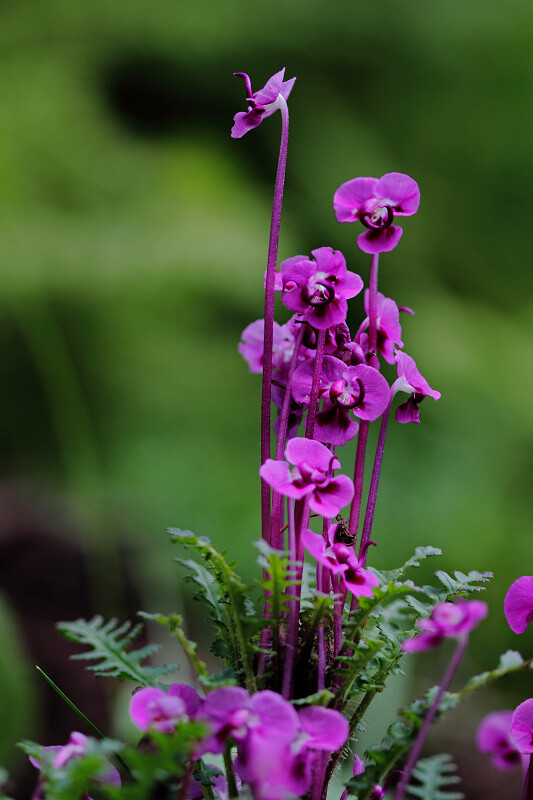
232,610
434,776
108,642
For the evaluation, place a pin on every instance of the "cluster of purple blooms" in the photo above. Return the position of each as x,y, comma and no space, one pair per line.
333,384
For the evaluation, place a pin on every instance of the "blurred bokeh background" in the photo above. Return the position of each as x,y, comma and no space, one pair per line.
133,236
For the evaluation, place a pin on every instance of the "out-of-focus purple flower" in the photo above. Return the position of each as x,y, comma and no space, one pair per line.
225,712
319,288
310,476
522,727
261,104
160,710
360,389
59,756
375,203
389,330
494,738
252,345
341,560
518,604
411,381
447,620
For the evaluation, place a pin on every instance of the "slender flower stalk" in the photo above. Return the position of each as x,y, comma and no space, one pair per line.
527,785
358,475
430,716
277,503
266,387
374,483
373,304
292,628
313,401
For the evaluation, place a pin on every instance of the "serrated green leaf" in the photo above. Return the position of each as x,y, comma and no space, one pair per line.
434,776
108,642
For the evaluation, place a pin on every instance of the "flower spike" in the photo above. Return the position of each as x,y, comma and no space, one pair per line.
261,104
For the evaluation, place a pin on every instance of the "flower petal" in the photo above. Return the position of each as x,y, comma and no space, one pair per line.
518,604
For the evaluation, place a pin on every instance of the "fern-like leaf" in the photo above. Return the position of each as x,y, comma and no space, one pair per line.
108,642
434,776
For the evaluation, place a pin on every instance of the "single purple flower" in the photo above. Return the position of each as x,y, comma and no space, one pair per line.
389,330
375,203
341,560
261,104
411,381
494,737
154,708
522,727
59,756
447,620
518,604
360,389
310,476
252,345
319,288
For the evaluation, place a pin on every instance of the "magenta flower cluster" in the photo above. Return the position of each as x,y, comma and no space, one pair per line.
277,746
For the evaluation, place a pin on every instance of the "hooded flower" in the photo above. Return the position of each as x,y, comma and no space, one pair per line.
411,381
341,560
518,604
447,620
261,104
376,203
494,737
360,389
160,710
389,330
319,287
310,476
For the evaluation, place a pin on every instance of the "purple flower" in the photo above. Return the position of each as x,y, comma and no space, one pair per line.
160,710
447,620
522,727
310,476
494,737
360,389
389,330
325,729
261,104
375,203
341,560
226,713
518,604
319,288
60,755
252,345
411,381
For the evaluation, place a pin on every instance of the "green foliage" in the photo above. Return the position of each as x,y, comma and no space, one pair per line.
232,609
510,662
434,776
380,759
108,643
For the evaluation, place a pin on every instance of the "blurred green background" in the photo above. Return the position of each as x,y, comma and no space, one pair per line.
133,236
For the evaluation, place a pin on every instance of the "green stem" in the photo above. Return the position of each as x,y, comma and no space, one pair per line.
82,716
230,775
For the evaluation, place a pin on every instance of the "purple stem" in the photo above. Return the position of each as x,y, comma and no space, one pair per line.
266,387
430,716
294,611
313,400
321,644
358,475
373,305
277,500
527,786
374,483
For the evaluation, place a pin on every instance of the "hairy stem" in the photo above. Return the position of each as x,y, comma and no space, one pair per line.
313,400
